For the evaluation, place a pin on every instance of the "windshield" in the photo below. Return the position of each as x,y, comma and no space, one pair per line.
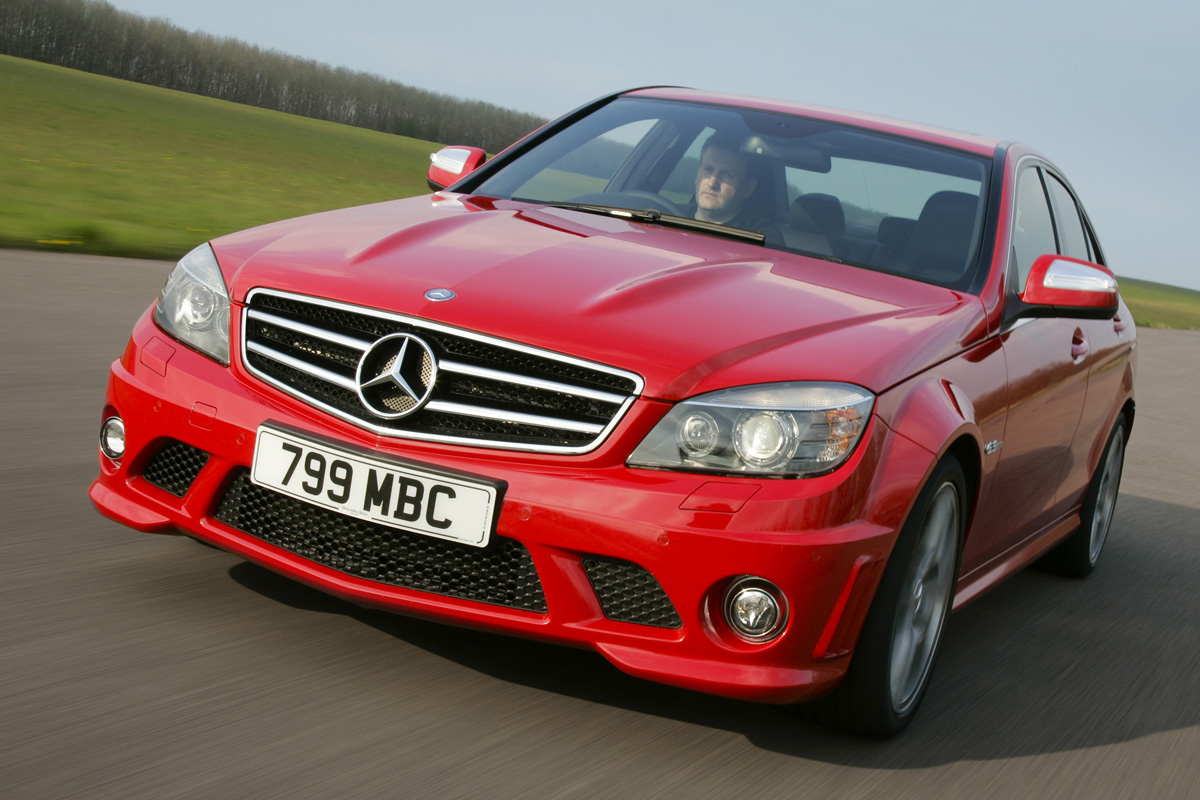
838,192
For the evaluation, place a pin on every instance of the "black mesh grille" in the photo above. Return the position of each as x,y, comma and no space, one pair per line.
511,396
628,593
310,386
493,430
336,354
501,573
489,392
174,467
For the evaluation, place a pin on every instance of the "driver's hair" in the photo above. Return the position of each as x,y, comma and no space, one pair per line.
727,141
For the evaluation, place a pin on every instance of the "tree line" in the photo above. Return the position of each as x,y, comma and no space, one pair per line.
93,36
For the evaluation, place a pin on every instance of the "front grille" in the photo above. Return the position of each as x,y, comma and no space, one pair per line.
500,574
174,467
628,593
487,392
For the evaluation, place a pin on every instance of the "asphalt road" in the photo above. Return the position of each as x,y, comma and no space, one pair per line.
142,666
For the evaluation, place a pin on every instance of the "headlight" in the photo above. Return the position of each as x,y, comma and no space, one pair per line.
194,306
781,429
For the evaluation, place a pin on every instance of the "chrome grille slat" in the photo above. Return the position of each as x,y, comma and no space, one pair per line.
300,327
523,419
488,392
551,386
303,366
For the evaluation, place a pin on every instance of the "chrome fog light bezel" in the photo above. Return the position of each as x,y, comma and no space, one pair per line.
747,588
112,438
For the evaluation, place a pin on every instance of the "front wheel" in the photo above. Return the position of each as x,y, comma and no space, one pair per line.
893,661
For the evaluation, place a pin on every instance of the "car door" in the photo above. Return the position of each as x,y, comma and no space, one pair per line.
1047,365
1108,343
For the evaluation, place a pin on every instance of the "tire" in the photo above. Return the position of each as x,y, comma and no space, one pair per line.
1078,555
893,662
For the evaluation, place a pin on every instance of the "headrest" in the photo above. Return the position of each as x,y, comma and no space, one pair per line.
800,219
942,235
826,211
894,232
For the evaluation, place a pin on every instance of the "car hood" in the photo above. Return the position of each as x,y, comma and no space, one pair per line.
690,312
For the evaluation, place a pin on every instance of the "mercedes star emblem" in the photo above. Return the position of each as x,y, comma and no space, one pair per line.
396,375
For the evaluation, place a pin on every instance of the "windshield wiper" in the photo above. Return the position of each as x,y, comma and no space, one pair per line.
668,220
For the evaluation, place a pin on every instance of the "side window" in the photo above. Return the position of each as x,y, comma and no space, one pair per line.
1070,226
1097,253
680,185
1033,230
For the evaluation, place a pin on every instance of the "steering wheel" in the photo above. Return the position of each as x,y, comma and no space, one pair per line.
656,201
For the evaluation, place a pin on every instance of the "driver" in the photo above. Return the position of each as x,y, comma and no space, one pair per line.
724,183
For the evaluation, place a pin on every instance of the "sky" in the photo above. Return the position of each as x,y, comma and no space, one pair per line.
1106,90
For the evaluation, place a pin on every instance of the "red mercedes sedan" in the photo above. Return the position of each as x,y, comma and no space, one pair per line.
744,395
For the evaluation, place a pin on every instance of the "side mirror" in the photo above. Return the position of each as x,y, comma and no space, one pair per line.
1073,288
451,163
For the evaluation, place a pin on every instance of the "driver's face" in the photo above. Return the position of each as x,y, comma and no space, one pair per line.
721,185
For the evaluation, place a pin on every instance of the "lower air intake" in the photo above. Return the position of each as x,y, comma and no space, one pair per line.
174,467
501,574
628,593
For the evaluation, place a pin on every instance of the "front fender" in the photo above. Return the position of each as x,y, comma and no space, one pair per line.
933,413
961,409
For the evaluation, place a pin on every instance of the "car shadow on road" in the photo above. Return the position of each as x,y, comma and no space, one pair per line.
1040,665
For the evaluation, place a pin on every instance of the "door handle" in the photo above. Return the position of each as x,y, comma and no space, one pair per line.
1079,345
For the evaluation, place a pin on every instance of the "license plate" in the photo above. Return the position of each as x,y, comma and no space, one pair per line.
402,496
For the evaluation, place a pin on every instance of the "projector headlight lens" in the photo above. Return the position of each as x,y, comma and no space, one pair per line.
699,434
777,429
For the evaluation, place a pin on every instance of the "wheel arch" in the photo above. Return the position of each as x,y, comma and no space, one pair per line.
1128,410
966,450
939,416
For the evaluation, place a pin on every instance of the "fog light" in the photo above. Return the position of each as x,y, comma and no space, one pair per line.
112,438
755,609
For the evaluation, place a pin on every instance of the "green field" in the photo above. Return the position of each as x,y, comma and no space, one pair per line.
95,165
1156,305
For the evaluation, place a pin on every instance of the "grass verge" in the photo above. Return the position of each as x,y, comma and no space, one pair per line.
1156,305
98,165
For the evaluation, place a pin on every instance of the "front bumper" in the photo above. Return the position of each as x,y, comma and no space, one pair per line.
631,563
